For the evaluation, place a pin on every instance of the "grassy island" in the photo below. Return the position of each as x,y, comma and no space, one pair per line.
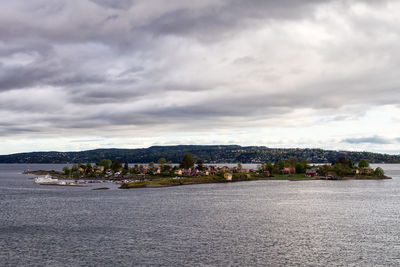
188,172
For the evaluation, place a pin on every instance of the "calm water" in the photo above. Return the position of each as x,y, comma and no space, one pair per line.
273,223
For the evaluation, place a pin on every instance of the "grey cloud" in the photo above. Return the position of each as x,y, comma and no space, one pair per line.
17,130
368,140
107,63
121,4
217,22
51,75
15,78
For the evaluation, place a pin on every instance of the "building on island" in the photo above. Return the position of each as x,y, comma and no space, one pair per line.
312,172
228,176
288,171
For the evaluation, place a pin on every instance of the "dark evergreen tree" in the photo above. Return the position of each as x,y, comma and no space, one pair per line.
116,166
187,161
200,165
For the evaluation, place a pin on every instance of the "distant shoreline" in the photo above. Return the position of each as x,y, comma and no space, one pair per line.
209,154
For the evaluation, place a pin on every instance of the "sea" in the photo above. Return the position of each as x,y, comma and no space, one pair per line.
257,223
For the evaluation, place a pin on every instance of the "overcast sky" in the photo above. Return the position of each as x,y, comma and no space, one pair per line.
78,74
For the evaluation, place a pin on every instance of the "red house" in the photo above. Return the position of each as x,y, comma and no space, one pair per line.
286,171
311,172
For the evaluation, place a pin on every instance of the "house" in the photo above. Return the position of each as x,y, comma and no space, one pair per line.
287,171
312,172
244,171
267,174
178,172
228,176
224,168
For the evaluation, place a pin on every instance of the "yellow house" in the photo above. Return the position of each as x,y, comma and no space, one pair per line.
207,173
228,176
178,172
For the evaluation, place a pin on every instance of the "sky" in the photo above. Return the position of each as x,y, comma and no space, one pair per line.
86,74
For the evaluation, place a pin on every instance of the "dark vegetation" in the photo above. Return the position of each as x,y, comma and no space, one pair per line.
208,154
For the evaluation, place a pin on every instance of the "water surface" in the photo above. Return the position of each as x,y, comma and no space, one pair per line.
274,223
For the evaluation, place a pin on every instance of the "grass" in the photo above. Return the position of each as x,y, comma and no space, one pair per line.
237,177
184,181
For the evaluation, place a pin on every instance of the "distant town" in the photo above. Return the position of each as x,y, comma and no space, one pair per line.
189,171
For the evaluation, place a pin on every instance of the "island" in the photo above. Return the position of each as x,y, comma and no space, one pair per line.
164,173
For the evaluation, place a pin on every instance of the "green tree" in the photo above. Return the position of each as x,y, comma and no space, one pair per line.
151,164
200,165
126,166
342,169
300,168
88,168
116,166
162,161
239,165
292,162
325,169
379,172
345,162
106,163
66,170
74,169
278,166
187,161
363,163
267,166
166,168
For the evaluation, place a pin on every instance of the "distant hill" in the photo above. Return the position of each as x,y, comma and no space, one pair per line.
208,154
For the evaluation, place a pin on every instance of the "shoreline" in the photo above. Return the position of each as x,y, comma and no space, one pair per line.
151,184
160,182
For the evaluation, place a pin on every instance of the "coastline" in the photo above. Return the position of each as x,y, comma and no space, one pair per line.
169,183
161,182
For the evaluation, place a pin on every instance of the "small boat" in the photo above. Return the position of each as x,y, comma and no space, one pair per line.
46,180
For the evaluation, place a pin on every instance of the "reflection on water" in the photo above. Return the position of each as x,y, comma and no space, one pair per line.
274,223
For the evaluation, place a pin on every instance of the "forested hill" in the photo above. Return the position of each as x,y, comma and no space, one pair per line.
208,154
